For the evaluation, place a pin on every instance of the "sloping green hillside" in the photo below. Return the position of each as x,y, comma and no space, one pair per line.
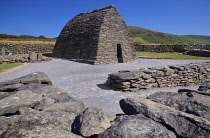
145,36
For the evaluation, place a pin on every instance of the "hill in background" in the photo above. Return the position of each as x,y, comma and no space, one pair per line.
140,35
145,36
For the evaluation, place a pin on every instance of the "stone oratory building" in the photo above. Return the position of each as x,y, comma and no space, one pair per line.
97,37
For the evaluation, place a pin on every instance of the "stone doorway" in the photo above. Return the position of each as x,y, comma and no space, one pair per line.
119,53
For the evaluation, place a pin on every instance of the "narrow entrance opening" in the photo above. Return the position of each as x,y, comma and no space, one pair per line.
119,53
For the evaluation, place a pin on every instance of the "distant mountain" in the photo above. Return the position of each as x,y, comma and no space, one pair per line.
145,36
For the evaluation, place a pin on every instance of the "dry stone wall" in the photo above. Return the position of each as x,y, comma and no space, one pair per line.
169,48
168,76
24,58
198,52
97,37
20,48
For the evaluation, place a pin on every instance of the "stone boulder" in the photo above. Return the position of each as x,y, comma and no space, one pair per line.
92,121
44,103
24,98
19,123
189,91
36,108
136,126
189,102
205,87
5,94
181,123
13,85
49,91
26,110
48,131
76,107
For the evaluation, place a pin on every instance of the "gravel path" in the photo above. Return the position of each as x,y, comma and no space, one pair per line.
86,82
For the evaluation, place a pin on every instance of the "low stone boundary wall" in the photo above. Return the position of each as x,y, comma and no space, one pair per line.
24,58
168,76
169,48
25,48
198,52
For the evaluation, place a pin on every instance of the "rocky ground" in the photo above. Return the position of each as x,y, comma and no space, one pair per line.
86,82
30,106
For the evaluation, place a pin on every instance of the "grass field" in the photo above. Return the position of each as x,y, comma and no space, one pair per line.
168,55
5,67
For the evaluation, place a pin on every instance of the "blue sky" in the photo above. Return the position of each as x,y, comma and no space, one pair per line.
48,17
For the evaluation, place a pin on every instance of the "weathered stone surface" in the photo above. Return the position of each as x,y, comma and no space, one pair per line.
136,126
170,76
76,107
190,102
5,94
23,58
26,110
44,103
91,121
49,91
63,120
36,77
170,48
24,98
19,48
183,124
32,56
39,56
97,37
199,92
198,52
48,131
3,51
205,87
41,110
13,85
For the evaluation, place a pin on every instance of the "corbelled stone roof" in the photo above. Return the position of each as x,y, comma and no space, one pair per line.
88,35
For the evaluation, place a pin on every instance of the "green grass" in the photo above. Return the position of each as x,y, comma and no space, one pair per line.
169,55
48,54
4,67
150,36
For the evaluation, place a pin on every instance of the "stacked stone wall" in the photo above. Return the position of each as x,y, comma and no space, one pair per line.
168,76
114,32
198,52
169,48
24,48
92,37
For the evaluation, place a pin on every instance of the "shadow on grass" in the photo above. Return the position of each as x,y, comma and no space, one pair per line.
47,54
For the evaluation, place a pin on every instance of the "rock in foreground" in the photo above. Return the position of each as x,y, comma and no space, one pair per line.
91,121
19,123
11,104
13,85
190,102
36,108
136,126
183,124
